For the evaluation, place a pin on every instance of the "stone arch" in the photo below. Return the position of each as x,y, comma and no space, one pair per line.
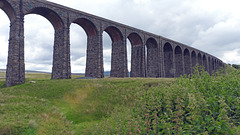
119,53
187,64
135,39
87,25
200,59
152,55
178,61
114,33
205,63
168,60
61,53
50,15
194,60
8,9
137,55
94,57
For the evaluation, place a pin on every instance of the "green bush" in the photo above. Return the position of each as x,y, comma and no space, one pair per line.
196,104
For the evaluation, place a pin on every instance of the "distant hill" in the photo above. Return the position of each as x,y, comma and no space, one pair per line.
2,70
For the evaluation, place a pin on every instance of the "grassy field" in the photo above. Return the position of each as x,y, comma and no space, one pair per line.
65,106
200,104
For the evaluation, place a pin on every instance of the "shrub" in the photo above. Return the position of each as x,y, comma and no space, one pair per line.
194,104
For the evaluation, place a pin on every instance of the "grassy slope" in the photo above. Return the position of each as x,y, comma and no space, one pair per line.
62,106
199,104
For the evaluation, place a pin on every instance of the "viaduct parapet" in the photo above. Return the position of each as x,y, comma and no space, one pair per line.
152,55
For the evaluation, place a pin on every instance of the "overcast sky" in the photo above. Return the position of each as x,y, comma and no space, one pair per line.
212,26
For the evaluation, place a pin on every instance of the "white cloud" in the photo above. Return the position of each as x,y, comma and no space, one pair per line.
78,66
232,57
222,37
4,35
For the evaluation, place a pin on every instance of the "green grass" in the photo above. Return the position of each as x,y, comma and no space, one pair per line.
46,106
198,104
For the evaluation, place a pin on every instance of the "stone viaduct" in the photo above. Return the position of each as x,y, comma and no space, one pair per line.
152,55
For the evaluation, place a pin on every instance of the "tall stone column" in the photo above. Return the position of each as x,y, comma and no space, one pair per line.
15,73
152,62
61,55
137,61
119,59
94,63
67,54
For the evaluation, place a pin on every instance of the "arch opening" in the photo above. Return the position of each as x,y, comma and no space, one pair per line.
78,48
178,61
152,61
194,60
205,63
87,25
50,15
39,42
119,61
114,34
4,37
129,54
107,53
213,65
210,65
151,43
187,64
93,47
135,39
168,60
136,55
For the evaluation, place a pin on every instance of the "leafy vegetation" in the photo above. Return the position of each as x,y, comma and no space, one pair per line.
236,66
196,104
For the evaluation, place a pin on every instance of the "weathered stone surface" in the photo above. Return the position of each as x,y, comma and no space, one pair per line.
152,55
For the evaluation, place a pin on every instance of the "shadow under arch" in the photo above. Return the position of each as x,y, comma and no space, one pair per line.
213,65
193,60
114,33
209,65
137,55
87,25
94,56
200,61
135,39
168,60
119,53
152,58
205,63
187,62
8,9
178,61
